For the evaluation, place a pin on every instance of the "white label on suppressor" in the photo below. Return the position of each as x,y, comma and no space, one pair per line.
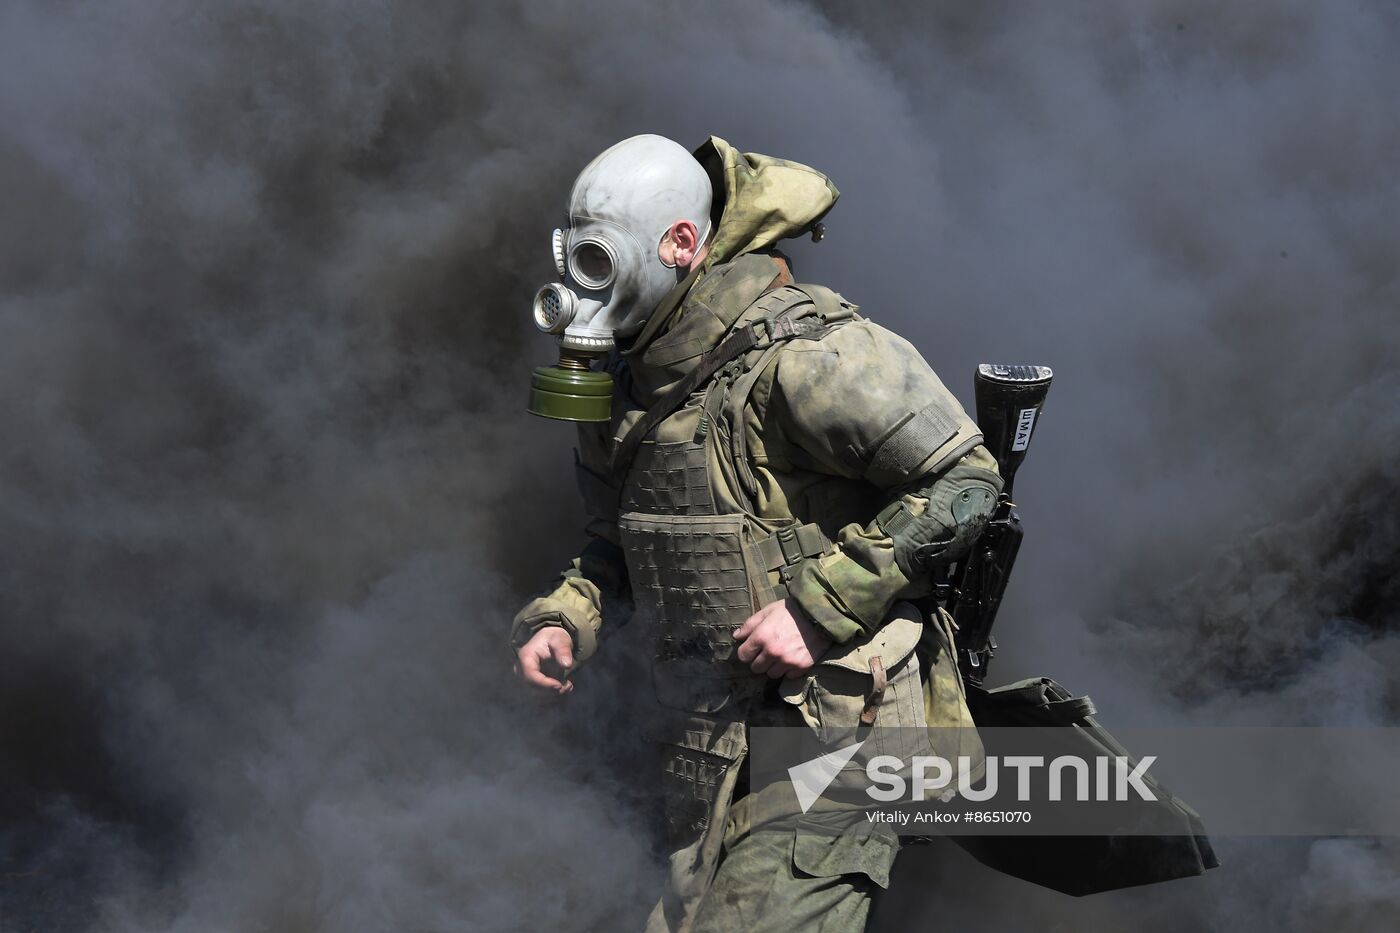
1023,429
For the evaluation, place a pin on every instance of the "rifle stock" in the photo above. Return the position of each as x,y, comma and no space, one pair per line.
1009,402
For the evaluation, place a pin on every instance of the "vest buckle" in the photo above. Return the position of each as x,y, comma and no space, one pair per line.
788,544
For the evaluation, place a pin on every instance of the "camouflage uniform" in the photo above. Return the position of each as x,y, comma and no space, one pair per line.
825,463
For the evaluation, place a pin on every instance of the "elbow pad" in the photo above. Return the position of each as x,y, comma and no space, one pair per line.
938,521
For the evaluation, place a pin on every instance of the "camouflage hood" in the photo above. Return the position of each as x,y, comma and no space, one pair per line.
764,199
760,200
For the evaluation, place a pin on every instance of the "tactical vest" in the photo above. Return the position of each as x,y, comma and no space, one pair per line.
697,574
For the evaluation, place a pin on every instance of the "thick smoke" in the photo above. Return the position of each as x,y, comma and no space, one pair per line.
269,497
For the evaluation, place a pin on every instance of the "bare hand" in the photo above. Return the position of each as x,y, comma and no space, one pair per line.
779,640
546,659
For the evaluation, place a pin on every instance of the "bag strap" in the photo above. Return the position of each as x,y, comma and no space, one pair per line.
777,324
732,347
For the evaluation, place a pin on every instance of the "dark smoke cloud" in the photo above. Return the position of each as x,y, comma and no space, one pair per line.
268,497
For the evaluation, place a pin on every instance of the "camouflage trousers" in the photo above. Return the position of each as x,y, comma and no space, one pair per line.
760,862
789,879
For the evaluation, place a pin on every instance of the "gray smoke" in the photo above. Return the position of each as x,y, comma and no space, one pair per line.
268,496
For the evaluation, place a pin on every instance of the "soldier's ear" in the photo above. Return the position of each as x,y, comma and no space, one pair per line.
679,245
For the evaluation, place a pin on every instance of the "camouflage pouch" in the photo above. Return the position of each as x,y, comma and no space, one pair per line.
849,847
869,689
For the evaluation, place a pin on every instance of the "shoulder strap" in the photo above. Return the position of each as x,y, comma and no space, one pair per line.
775,324
735,345
816,313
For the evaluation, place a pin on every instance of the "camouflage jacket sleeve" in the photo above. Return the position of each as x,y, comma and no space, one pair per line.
597,577
863,404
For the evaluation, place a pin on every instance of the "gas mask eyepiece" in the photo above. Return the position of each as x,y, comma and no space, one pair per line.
592,263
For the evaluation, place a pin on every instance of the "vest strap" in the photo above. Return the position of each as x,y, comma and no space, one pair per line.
788,546
777,323
732,347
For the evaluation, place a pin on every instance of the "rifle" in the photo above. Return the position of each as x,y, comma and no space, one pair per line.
1009,401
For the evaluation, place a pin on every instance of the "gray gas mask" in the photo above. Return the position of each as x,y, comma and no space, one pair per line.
612,276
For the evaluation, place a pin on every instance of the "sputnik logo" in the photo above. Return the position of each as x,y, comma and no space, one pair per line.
811,778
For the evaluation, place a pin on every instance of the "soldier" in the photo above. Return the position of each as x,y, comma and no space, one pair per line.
776,478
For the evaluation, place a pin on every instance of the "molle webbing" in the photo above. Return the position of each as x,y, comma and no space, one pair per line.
668,479
690,578
696,578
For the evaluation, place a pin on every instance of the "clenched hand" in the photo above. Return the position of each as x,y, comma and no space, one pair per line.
779,641
546,659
